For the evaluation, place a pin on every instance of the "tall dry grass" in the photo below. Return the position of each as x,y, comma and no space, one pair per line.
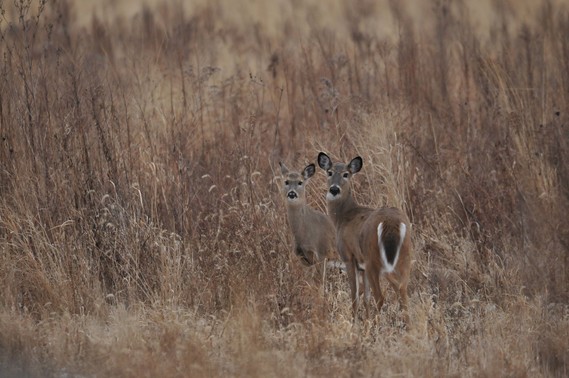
142,230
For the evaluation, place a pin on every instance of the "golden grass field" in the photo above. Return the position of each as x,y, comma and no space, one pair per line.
143,231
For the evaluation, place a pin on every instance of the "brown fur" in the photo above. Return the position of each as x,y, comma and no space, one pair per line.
356,234
313,231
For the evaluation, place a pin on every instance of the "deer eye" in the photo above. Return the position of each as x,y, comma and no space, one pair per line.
346,175
286,182
329,173
300,183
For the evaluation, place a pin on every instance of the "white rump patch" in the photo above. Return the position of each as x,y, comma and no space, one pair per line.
387,267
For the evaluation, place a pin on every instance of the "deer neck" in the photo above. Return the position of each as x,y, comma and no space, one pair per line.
341,209
296,216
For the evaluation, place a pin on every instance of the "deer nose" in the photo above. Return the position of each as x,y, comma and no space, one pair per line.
334,190
292,195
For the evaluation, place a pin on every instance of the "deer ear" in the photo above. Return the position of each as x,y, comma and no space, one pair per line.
284,169
324,161
355,165
309,171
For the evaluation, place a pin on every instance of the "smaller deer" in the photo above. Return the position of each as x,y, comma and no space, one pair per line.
313,231
377,241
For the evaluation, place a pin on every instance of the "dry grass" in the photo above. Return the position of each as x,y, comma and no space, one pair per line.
142,231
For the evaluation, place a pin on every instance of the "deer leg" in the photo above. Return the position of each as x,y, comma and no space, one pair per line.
400,287
373,278
367,292
353,279
404,297
404,302
324,264
302,254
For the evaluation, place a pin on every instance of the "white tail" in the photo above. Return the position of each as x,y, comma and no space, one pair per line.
389,267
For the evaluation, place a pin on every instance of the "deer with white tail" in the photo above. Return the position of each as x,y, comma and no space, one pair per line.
377,241
313,231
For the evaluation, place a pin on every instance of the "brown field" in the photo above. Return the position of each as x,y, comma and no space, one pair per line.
142,228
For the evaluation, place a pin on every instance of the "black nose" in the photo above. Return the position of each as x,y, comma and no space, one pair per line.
334,190
292,195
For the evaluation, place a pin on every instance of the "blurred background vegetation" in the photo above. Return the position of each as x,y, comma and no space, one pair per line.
142,229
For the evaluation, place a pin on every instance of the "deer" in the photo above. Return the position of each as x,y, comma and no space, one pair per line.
313,231
375,241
